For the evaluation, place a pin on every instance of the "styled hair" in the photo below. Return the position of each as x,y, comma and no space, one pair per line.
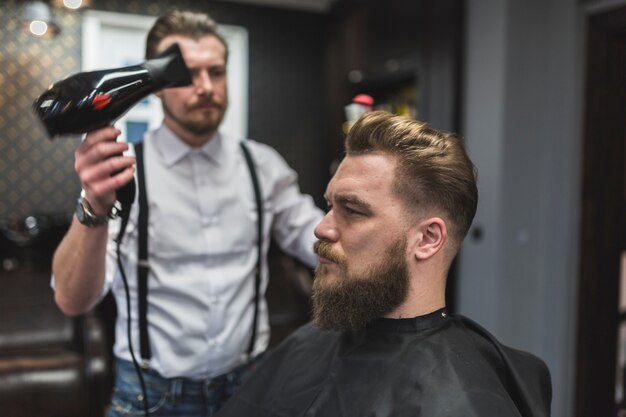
433,171
187,23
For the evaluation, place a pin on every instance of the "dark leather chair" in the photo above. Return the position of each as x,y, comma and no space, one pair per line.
288,294
50,364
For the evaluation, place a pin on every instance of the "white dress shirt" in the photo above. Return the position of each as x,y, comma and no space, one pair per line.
202,249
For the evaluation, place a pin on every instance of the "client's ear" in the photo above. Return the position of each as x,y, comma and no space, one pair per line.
428,237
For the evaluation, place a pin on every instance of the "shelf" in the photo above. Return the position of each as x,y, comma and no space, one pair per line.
394,86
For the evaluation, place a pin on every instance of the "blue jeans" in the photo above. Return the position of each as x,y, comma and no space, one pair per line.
173,397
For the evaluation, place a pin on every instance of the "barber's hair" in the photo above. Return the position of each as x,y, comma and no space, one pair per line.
433,171
188,23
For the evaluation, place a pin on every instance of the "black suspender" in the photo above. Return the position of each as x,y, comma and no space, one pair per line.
259,211
142,258
142,255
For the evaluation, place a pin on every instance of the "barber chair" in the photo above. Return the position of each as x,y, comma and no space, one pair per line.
50,365
288,294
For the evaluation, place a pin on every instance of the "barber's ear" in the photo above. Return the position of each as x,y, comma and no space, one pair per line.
428,237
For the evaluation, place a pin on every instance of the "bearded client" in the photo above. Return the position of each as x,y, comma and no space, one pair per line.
381,342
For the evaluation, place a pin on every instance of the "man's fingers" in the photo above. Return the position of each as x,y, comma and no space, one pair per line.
107,134
89,156
105,169
112,183
101,194
97,145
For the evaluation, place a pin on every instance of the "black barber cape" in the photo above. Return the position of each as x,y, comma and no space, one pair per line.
430,366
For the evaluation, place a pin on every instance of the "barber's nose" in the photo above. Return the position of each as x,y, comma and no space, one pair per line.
202,83
327,229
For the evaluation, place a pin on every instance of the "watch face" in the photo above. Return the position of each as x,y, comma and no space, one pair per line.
85,217
80,212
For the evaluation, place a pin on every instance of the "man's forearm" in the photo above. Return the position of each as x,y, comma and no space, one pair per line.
79,268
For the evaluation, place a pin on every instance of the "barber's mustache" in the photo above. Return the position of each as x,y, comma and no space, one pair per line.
205,103
323,249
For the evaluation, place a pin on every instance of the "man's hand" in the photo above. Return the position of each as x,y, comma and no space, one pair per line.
102,168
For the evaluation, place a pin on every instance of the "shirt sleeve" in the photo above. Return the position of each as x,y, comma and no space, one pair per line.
295,214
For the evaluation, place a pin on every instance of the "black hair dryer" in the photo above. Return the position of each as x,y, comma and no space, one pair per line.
91,100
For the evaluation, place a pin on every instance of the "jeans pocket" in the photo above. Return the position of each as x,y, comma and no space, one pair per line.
127,399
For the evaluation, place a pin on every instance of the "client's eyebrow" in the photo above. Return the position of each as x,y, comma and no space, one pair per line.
353,200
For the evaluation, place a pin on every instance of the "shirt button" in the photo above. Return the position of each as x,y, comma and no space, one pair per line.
208,221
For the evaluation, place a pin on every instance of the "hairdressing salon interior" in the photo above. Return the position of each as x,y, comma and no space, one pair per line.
536,88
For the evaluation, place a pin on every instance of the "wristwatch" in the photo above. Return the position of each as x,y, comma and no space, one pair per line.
86,216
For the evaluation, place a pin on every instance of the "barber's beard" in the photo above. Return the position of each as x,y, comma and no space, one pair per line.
347,301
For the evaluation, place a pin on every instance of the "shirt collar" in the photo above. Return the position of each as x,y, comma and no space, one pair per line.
173,149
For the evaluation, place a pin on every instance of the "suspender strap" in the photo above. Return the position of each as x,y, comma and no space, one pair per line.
259,210
126,196
143,266
142,256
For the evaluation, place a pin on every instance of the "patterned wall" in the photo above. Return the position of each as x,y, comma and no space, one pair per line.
36,174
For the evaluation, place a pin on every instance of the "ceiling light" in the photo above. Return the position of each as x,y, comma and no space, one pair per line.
37,18
71,4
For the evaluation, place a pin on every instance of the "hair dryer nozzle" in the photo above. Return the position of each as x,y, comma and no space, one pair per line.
169,69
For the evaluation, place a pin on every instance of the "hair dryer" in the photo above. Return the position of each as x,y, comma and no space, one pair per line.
91,100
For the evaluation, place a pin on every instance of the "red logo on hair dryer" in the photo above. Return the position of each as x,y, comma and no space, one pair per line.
100,101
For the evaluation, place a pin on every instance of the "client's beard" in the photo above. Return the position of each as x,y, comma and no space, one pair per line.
350,302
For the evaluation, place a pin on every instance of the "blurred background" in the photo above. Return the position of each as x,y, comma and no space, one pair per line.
536,88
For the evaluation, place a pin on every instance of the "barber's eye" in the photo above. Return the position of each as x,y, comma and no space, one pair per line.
218,72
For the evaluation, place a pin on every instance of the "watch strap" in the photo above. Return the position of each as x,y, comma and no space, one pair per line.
86,215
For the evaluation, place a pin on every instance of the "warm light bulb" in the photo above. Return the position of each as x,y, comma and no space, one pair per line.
73,4
38,27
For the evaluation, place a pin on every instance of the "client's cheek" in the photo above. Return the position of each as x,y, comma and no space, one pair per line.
321,270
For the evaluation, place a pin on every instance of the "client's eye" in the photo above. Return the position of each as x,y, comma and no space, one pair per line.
351,211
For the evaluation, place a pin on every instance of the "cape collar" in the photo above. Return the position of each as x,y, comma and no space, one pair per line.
410,325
